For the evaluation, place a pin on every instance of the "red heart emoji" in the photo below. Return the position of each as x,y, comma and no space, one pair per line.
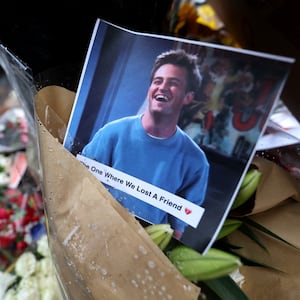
187,211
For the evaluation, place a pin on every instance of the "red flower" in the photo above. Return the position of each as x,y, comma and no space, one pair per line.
5,213
15,196
21,245
7,240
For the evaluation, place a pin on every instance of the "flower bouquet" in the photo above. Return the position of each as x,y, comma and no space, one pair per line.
100,251
21,204
99,246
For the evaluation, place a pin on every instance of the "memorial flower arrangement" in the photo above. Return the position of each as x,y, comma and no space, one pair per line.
229,270
219,273
252,233
21,203
26,268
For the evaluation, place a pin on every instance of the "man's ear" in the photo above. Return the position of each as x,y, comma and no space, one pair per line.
189,98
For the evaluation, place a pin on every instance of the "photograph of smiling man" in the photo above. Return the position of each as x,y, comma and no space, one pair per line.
151,146
170,125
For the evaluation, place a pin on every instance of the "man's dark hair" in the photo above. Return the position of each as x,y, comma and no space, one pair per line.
183,59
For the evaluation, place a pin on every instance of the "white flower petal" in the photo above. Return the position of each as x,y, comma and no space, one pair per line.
10,295
6,279
30,282
26,264
43,246
28,294
45,266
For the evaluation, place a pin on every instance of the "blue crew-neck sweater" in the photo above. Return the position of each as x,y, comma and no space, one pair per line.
175,164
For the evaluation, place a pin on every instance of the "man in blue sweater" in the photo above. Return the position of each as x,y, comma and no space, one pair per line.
152,147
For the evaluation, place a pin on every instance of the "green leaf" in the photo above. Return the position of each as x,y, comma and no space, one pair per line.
245,261
7,255
254,263
250,233
224,288
266,231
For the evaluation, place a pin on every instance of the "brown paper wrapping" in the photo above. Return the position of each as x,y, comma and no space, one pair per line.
277,207
276,187
99,249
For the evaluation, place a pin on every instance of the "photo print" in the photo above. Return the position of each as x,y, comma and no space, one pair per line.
170,145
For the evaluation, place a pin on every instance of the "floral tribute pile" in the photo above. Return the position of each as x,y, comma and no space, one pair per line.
26,268
21,204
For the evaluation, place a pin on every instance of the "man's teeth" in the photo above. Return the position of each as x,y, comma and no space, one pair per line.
161,98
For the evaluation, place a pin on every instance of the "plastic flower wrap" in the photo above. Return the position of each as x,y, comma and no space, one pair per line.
13,130
21,204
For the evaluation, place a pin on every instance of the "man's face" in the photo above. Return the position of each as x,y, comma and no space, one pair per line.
167,92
